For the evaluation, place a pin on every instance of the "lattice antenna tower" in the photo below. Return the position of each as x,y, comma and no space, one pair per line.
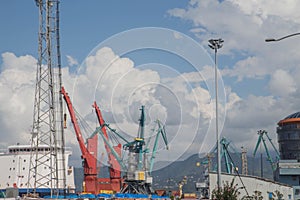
244,161
47,168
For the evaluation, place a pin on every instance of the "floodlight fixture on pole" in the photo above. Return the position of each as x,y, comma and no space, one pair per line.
282,38
216,44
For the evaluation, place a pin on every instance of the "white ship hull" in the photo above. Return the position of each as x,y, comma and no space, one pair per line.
14,170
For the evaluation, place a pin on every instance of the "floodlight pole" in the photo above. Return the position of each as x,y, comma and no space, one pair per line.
216,44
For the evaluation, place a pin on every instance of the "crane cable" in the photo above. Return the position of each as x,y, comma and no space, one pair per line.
238,174
83,124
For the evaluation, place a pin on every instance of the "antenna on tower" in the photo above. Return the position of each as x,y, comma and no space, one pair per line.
47,159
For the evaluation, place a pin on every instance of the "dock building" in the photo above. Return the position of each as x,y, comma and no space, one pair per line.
288,168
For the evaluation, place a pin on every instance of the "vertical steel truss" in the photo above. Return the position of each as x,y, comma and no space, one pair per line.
47,168
244,162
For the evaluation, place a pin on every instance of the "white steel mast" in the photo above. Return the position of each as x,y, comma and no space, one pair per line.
47,168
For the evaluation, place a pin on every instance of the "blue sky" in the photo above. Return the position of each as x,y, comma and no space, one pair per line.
260,79
83,24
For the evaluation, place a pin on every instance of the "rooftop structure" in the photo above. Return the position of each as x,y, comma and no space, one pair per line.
288,168
288,132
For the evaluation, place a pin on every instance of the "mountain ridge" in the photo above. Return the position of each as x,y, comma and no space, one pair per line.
169,176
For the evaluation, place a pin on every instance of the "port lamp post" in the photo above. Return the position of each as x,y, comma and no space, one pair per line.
282,38
216,44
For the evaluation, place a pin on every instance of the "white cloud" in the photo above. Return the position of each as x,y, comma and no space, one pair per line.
232,99
244,26
25,63
251,67
120,88
231,24
71,61
282,83
204,102
286,9
177,35
205,74
246,116
17,83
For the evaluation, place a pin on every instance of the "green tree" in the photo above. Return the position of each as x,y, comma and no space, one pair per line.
228,192
257,195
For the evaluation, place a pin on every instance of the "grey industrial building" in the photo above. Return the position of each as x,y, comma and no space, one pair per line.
288,168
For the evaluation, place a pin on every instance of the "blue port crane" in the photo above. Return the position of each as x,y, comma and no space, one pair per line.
261,139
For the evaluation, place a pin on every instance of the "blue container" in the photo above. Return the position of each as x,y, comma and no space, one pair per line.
102,195
87,196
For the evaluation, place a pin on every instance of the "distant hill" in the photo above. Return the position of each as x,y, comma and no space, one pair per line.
169,176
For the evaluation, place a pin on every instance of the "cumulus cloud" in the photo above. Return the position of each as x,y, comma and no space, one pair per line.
251,67
240,24
11,61
282,83
244,26
17,81
177,35
230,24
71,61
120,88
286,9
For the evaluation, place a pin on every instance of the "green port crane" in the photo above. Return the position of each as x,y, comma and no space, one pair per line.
261,139
225,146
224,152
161,131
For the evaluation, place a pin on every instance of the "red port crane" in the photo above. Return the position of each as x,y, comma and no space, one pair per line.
114,166
93,184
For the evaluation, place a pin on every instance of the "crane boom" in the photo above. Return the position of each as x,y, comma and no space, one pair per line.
257,145
225,145
261,138
225,153
161,131
268,155
100,119
114,165
277,153
112,150
89,159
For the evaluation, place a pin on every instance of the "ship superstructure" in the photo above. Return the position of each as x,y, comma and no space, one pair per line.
15,165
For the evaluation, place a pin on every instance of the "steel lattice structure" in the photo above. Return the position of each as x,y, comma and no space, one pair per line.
47,168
